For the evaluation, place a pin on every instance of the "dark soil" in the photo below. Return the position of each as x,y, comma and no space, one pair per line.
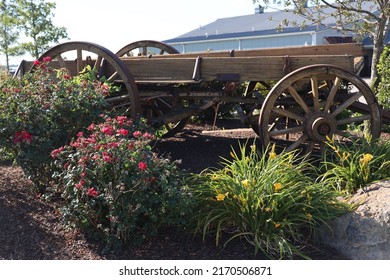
31,228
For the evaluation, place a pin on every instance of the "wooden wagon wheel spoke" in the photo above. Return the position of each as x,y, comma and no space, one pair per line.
121,78
286,131
79,60
344,134
347,103
297,143
357,119
145,51
98,64
306,124
112,77
60,61
299,99
288,114
332,94
316,98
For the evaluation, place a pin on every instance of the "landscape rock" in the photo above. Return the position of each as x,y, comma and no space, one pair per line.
365,233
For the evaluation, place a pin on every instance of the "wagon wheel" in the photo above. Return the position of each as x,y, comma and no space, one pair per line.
147,47
75,56
316,102
158,106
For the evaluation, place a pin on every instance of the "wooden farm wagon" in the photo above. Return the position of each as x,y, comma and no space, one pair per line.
294,97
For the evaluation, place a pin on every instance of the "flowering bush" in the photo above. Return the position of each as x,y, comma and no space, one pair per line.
348,167
114,185
42,111
265,198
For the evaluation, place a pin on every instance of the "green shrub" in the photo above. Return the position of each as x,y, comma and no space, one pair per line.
348,167
265,198
115,187
42,111
383,89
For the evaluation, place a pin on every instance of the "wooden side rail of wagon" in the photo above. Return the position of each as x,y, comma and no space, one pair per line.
294,97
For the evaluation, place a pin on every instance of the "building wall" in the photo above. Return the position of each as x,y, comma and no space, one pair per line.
246,43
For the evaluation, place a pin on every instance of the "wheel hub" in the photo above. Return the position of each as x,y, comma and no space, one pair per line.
319,126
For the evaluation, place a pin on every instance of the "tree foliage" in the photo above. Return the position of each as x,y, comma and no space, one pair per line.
9,31
36,22
363,18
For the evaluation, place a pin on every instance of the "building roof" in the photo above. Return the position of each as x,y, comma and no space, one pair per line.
258,24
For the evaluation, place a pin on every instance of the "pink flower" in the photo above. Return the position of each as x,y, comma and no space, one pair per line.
137,134
147,135
91,127
56,151
123,132
107,130
121,119
37,63
67,77
66,165
107,157
92,192
142,166
113,145
47,59
80,134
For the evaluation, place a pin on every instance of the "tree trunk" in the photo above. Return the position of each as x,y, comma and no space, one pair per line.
378,40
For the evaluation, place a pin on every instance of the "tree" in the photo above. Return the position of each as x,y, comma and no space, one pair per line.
36,19
9,31
363,18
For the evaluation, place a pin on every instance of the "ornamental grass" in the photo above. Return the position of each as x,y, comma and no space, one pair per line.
350,166
265,198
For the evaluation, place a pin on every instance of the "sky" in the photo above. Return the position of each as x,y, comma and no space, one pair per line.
116,23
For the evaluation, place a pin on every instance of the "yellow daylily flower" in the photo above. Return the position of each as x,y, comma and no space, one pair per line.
277,186
366,158
220,197
272,154
245,183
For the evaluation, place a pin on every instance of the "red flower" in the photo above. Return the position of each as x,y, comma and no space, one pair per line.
123,132
67,77
92,192
142,165
37,63
80,134
47,59
23,136
108,130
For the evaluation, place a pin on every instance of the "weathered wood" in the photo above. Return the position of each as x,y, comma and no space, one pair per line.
174,69
331,49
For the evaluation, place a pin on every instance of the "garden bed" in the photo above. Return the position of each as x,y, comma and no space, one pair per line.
31,228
